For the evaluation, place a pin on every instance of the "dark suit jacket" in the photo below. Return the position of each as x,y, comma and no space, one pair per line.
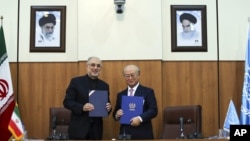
77,94
150,110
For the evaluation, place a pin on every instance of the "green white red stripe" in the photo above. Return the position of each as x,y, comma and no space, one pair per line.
9,120
15,124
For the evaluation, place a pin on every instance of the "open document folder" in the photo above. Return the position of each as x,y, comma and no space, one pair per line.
99,98
132,106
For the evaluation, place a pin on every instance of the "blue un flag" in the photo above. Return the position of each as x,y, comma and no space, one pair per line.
231,117
245,105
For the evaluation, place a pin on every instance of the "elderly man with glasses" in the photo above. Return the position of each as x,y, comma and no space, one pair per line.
140,126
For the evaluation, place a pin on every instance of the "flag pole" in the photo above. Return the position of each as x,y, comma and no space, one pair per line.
1,20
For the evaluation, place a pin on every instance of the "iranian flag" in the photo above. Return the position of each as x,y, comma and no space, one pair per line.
7,102
15,125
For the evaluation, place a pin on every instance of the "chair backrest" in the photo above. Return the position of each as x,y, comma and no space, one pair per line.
59,118
192,122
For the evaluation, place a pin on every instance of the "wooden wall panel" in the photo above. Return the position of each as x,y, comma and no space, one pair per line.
231,77
189,83
42,85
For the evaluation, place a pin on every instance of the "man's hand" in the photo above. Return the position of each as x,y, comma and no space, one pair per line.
108,107
118,114
135,121
88,107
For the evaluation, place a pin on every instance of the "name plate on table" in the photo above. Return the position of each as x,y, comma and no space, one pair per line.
132,106
99,98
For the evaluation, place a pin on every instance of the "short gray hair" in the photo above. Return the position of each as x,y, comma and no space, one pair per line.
93,57
136,68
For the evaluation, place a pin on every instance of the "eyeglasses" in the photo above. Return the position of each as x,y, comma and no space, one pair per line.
93,65
127,76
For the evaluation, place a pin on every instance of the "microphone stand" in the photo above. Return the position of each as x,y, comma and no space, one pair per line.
181,129
52,136
54,127
124,136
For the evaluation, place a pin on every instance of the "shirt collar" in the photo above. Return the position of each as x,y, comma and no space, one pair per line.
135,87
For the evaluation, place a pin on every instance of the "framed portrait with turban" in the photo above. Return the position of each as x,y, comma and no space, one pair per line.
188,28
47,28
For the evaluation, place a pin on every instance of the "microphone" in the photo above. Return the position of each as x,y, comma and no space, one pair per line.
193,134
54,120
124,136
181,128
181,123
124,133
53,126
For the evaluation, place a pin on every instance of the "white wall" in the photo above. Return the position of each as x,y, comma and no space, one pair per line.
133,35
71,32
233,25
142,32
9,11
211,54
